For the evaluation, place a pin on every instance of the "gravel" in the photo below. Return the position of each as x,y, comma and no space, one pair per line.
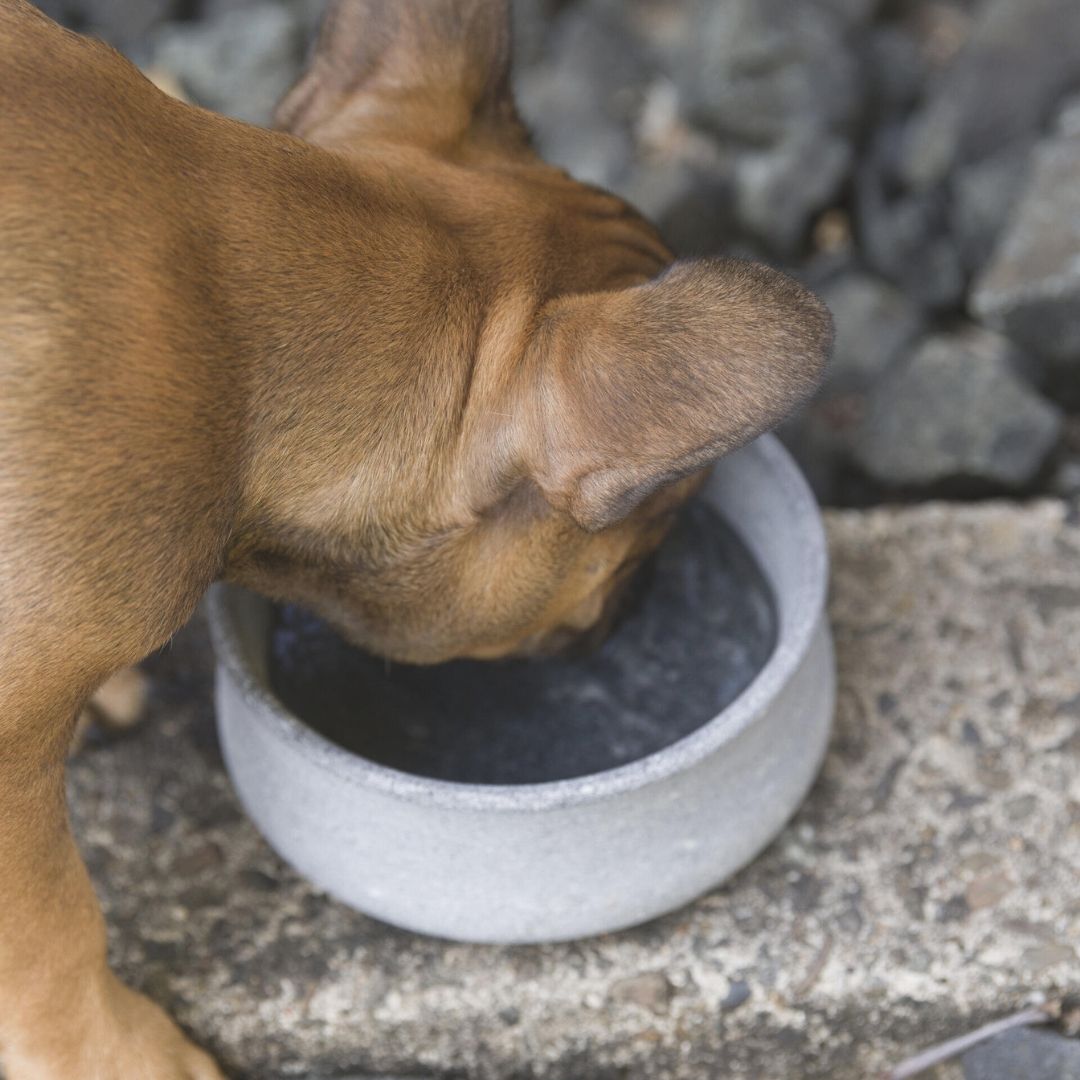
1031,290
908,143
957,410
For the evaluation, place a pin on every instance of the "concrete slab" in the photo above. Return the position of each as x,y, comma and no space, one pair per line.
931,882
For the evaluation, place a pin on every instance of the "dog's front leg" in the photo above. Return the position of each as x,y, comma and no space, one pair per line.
63,1014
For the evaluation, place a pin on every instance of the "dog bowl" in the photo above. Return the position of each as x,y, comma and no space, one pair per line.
556,859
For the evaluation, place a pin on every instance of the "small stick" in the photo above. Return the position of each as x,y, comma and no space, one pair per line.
938,1055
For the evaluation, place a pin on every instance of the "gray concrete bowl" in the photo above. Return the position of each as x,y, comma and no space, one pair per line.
568,858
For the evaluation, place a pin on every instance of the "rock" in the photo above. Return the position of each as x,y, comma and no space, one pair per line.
358,1076
1003,85
123,23
896,68
1031,289
778,191
697,216
763,70
1024,1054
875,325
739,993
853,12
682,179
581,102
1066,479
947,619
240,63
875,322
650,990
819,437
957,411
531,23
982,198
905,236
690,200
777,86
308,13
986,891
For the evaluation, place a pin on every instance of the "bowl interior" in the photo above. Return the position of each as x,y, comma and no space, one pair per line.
758,490
698,628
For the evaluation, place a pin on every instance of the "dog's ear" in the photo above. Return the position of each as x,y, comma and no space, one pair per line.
431,68
633,389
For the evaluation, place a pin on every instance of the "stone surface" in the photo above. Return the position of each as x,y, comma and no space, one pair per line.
593,76
1031,290
123,23
778,191
760,70
1021,57
1024,1054
239,63
957,410
983,197
928,885
875,323
896,67
905,235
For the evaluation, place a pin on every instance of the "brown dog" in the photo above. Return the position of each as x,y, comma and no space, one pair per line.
385,362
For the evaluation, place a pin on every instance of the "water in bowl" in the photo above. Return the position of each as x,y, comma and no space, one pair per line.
702,625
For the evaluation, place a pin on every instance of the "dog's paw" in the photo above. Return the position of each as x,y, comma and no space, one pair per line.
123,1036
116,705
130,1038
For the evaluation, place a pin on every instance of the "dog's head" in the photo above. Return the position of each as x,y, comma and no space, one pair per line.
550,383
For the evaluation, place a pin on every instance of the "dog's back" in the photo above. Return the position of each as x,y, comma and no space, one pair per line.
104,405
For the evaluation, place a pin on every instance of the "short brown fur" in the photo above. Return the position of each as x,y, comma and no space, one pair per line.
384,362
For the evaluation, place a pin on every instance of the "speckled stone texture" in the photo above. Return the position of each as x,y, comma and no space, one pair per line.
931,882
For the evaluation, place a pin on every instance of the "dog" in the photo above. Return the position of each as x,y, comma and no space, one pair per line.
381,361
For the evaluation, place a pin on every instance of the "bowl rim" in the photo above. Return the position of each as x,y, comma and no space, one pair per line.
794,638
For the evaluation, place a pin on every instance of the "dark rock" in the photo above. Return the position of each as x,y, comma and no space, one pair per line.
761,70
1066,479
691,201
820,440
1031,290
1024,1054
308,13
777,87
896,67
874,323
361,1076
957,411
650,990
738,994
123,23
983,196
240,63
905,236
1003,85
531,24
779,190
853,12
581,103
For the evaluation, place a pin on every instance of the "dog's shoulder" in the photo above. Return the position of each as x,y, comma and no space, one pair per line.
59,85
